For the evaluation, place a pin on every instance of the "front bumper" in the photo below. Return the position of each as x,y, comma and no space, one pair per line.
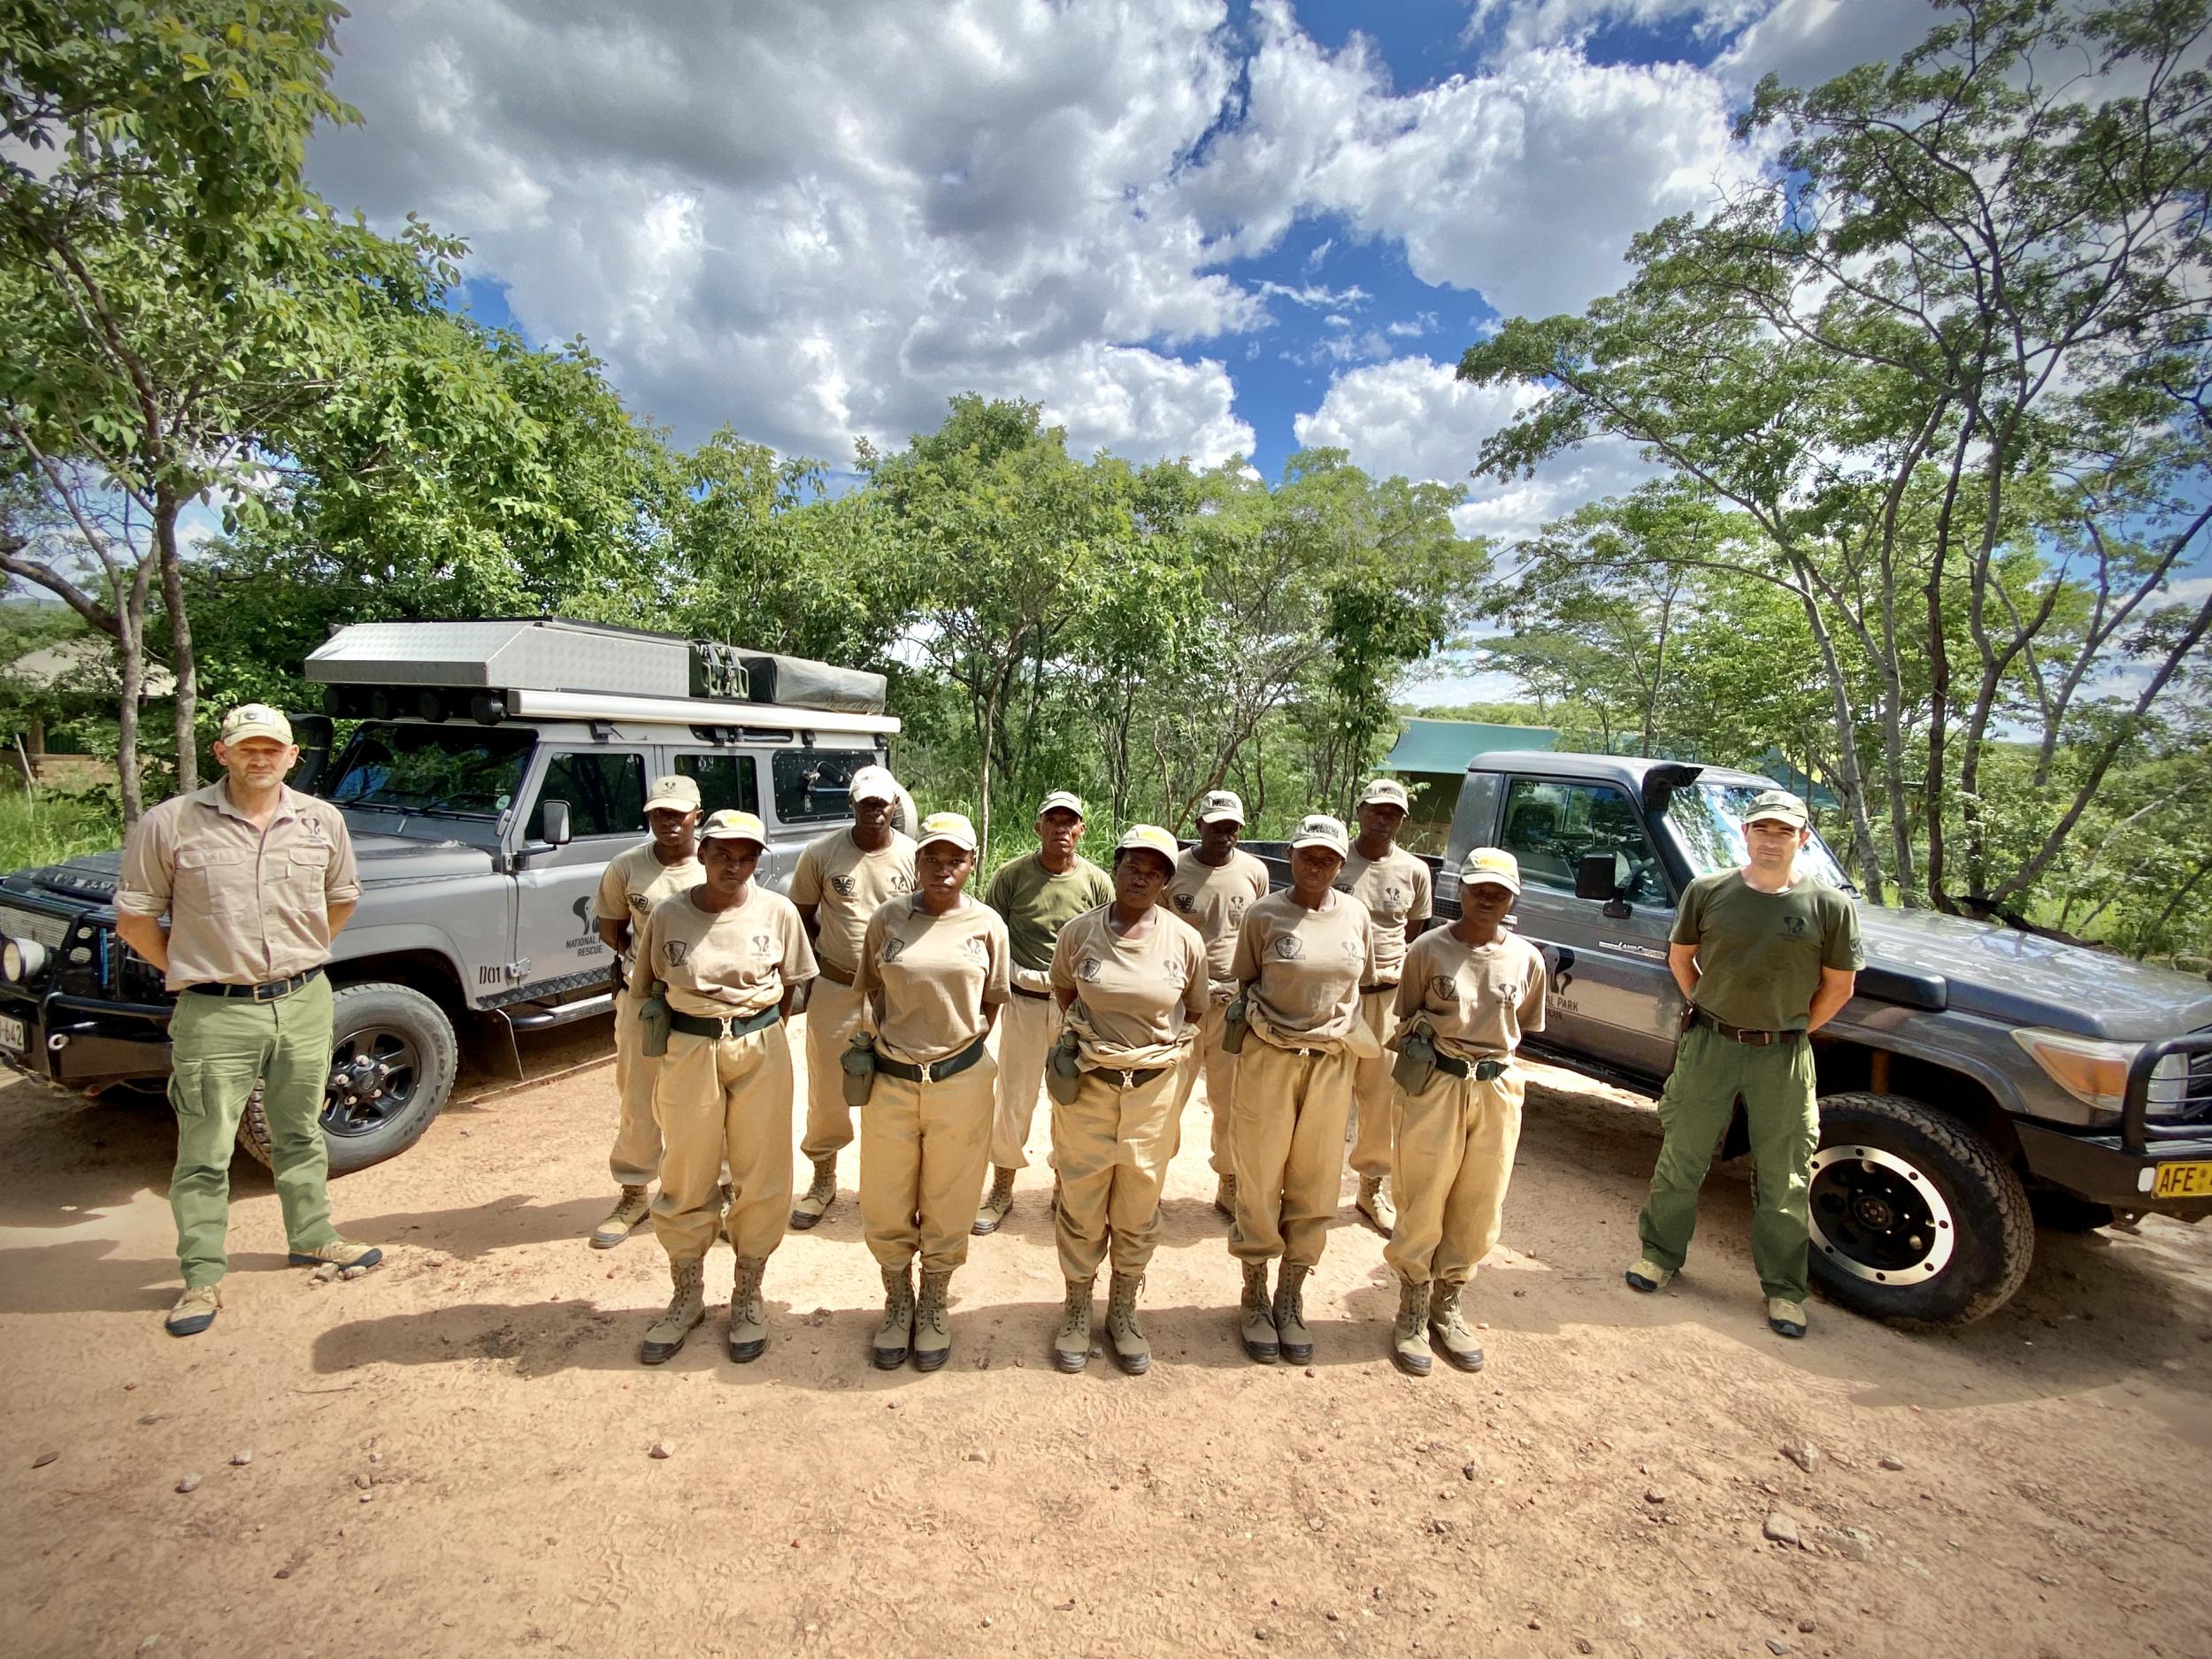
2102,1169
84,1042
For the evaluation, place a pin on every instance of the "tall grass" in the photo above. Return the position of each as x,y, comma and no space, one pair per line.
44,827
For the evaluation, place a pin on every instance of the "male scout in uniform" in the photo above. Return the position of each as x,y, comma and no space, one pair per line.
1394,886
1765,956
636,882
1037,896
843,879
1213,885
257,879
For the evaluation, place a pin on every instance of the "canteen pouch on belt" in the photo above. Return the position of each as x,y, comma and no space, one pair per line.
1236,1025
652,1014
858,1063
1416,1057
1063,1069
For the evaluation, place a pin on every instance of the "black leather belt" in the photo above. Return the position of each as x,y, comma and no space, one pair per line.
1369,990
936,1071
275,991
731,1025
834,975
1750,1039
1039,996
1481,1071
1130,1080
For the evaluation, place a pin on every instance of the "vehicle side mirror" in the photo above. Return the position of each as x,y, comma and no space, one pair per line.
553,817
1595,877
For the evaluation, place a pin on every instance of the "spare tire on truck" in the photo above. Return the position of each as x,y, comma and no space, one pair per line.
393,1059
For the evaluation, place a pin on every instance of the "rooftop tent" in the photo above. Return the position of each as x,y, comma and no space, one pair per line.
1443,747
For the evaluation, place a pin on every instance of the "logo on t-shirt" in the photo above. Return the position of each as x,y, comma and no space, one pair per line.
1290,948
892,949
1237,908
1087,969
764,946
844,887
1393,898
1444,988
1794,925
1187,903
639,903
979,950
675,951
1176,974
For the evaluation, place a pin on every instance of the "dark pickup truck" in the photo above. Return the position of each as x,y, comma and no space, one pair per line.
1983,1076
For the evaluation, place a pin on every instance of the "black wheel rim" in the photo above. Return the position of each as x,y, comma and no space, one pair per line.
375,1073
1875,1217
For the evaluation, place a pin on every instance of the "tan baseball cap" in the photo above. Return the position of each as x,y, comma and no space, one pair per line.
947,827
1149,838
1778,804
1493,865
1319,829
1220,804
675,792
730,825
255,719
873,783
1061,800
1385,791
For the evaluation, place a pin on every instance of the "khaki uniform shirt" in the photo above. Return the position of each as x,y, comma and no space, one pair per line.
1136,1000
737,961
931,976
1037,905
1397,890
1478,1000
847,886
1305,967
1759,955
246,905
1214,901
636,882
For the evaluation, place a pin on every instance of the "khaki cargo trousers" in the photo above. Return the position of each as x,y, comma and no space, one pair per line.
1027,1028
833,1013
1219,1068
1287,1137
1372,1089
1112,1145
636,1158
724,1099
1455,1144
923,1150
220,1047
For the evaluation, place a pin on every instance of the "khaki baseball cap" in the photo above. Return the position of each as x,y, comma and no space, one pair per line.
1778,804
947,827
730,825
1220,804
1385,791
1061,800
873,783
255,719
1147,838
1319,829
675,792
1493,865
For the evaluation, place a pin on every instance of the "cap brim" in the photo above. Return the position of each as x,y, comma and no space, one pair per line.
1510,885
884,795
1315,840
671,802
1236,819
269,732
733,835
1790,818
950,841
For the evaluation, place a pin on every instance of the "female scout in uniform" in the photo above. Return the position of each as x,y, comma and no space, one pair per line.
1131,981
934,968
730,953
1467,994
1301,956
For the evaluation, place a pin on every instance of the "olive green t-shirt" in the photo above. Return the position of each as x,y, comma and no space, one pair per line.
737,961
1037,905
1213,899
1305,967
1395,889
1478,999
1136,999
1759,955
929,978
847,886
634,882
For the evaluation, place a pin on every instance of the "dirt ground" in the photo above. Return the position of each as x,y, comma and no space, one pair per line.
451,1454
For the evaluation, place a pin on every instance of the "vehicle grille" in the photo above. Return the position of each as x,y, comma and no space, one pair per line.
48,930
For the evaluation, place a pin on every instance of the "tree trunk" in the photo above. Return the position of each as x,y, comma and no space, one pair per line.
131,636
182,663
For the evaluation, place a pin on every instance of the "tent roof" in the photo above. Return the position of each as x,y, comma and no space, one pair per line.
84,663
1445,747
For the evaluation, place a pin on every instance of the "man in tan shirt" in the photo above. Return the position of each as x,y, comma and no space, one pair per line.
256,879
842,878
1394,885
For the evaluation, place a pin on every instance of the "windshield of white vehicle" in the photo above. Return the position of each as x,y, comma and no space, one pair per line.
445,771
1706,820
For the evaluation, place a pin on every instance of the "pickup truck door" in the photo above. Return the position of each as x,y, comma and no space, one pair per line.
1610,996
556,936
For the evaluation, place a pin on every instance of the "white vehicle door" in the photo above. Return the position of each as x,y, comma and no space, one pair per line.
556,944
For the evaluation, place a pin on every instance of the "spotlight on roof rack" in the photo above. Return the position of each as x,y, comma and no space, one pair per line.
487,708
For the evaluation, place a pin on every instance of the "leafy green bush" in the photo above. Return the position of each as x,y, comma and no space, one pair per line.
45,828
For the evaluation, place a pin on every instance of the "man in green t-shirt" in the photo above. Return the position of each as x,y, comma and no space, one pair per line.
1037,896
1766,955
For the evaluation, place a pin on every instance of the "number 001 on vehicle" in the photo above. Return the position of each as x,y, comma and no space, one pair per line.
2183,1180
12,1037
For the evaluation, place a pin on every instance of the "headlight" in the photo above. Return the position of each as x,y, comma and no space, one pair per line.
2095,1072
21,959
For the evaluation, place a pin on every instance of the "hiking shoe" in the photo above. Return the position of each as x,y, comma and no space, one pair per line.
996,1202
1785,1317
1290,1315
895,1335
1448,1329
195,1312
1071,1349
337,1253
686,1311
1255,1326
1131,1351
933,1335
748,1318
1225,1196
814,1203
1408,1351
1648,1275
1375,1204
630,1210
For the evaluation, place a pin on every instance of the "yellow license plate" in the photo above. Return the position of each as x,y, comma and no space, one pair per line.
2183,1180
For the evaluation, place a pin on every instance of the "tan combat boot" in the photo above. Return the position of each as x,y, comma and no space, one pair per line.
1225,1196
933,1336
195,1312
1409,1346
337,1253
1375,1204
996,1202
1132,1352
748,1318
1290,1315
687,1308
1449,1331
1256,1326
895,1335
1071,1349
814,1203
629,1210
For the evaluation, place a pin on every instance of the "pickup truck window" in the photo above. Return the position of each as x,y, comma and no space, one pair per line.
441,770
605,793
813,784
724,780
1706,820
1550,828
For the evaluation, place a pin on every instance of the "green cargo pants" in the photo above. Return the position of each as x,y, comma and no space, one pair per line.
1776,1084
220,1046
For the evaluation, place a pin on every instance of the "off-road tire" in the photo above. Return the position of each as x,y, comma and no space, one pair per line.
1992,1230
407,1016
